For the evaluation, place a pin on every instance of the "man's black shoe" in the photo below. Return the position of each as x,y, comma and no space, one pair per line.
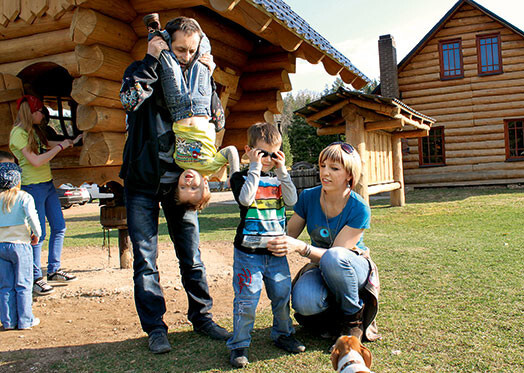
238,357
158,343
290,344
214,331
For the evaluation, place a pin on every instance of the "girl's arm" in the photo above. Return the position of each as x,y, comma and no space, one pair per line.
38,160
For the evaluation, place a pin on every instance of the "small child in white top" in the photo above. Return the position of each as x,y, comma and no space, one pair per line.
19,228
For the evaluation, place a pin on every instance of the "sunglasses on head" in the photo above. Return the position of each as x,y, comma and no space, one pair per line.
345,146
267,154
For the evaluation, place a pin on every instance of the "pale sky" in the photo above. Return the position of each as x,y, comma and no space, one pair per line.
354,26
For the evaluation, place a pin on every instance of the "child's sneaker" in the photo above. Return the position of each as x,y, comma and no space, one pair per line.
238,357
40,287
290,344
36,321
61,277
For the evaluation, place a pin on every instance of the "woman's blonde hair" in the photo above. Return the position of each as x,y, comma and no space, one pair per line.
8,198
347,156
24,120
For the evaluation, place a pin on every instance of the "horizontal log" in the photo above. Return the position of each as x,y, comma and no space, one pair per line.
90,27
244,119
383,188
67,60
476,130
235,137
383,125
411,134
279,61
227,78
470,183
148,6
211,25
118,9
35,46
100,119
102,148
80,175
476,160
331,130
260,100
495,144
473,138
266,80
474,152
309,53
507,113
96,92
20,28
66,158
101,61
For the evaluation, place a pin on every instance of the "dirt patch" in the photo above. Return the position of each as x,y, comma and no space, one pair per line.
99,307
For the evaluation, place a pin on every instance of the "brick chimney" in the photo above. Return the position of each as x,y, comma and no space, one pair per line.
387,55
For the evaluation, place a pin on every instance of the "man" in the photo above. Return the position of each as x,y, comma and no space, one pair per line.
150,178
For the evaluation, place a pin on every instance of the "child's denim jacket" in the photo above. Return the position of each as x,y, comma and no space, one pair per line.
191,97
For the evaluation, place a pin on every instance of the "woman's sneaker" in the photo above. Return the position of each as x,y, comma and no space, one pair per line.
36,321
61,277
40,287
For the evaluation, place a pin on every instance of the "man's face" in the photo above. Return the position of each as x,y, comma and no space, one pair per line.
185,46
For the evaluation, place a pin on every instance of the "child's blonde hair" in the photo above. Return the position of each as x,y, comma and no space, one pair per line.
346,155
8,198
198,206
24,120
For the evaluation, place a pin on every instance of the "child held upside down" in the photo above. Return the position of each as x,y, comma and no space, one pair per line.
185,74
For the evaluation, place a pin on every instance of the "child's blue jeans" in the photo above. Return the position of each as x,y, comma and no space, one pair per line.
47,205
16,285
250,271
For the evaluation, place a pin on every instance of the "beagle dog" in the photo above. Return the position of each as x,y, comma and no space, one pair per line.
350,356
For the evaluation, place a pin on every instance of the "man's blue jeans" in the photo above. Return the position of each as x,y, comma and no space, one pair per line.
16,285
47,205
142,223
342,273
250,271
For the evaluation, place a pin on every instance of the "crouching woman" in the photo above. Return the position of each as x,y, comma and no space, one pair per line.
337,292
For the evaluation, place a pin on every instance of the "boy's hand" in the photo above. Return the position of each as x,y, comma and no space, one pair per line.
280,160
207,60
254,155
156,46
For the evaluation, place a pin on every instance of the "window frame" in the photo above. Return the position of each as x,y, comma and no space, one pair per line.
73,105
506,139
420,148
441,59
479,60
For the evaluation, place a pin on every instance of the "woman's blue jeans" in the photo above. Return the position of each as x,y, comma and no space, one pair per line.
142,223
341,273
16,285
250,272
48,206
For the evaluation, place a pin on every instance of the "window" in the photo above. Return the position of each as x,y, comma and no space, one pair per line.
451,66
514,137
489,58
431,148
62,117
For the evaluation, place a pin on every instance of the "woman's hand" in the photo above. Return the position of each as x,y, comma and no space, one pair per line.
283,245
34,239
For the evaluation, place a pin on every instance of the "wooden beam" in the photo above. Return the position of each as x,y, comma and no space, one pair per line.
412,122
331,130
383,188
118,9
43,24
331,66
223,5
260,100
100,119
329,110
384,125
397,197
67,60
101,61
309,53
411,134
254,19
380,108
96,91
266,80
278,61
148,6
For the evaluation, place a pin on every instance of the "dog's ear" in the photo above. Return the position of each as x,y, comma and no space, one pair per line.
366,355
335,354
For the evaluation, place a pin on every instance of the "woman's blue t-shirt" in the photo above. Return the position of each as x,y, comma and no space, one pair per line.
356,214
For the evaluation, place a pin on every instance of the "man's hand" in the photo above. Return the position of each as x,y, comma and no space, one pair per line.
156,46
34,239
207,60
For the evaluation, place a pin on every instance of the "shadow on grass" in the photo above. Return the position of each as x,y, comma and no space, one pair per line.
190,353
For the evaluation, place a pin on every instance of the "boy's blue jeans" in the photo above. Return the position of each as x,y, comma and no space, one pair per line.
250,271
341,272
47,205
16,285
142,222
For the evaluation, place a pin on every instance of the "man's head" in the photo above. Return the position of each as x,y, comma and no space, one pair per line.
185,35
192,190
6,157
265,137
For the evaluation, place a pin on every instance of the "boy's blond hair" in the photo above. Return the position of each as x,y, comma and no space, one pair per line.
336,152
265,132
199,206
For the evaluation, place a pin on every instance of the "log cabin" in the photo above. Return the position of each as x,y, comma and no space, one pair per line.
468,74
72,53
375,126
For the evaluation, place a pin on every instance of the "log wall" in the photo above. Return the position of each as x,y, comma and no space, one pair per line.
471,109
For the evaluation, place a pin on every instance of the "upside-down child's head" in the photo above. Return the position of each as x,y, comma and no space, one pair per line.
192,190
266,138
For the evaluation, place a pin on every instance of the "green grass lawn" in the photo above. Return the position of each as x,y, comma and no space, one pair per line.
452,275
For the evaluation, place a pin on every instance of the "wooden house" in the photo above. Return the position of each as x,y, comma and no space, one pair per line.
375,126
73,53
468,74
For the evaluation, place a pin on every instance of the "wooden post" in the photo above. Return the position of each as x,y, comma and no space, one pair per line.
126,257
355,135
397,197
